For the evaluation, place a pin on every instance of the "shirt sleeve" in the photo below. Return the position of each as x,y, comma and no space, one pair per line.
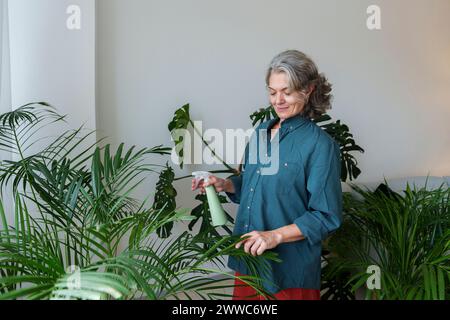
323,179
238,180
237,183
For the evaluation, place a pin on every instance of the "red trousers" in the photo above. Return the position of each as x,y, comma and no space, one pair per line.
243,291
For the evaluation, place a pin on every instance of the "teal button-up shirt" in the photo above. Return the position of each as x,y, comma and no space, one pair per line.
306,191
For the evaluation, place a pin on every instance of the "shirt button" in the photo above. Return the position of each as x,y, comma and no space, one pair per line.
292,128
257,172
248,208
251,190
285,164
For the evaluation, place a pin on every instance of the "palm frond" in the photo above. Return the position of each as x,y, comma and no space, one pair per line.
407,236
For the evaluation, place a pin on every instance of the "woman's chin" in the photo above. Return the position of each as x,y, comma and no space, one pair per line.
282,113
281,109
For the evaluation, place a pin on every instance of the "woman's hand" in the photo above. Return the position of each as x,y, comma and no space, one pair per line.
260,241
218,183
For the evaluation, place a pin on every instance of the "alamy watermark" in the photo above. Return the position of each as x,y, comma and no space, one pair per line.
374,19
74,278
73,21
229,147
373,282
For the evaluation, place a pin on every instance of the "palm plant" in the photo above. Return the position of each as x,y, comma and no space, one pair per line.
77,232
406,236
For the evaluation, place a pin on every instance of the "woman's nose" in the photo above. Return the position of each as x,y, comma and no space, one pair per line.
279,99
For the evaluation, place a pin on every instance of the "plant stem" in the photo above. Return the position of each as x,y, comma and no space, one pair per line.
207,145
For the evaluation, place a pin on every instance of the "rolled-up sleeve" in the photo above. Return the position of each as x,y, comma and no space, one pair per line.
324,212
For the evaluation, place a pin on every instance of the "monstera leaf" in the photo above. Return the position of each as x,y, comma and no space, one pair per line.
179,123
340,132
201,212
263,115
335,282
165,199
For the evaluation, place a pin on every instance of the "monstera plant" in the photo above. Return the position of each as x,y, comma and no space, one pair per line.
182,121
335,282
72,229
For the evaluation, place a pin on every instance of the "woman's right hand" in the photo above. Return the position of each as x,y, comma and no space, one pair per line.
218,183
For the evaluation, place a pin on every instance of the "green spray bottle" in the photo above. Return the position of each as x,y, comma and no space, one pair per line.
218,216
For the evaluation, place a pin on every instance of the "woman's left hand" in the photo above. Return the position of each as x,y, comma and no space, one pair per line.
260,241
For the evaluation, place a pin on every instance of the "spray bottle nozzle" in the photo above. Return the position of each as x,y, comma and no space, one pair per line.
201,175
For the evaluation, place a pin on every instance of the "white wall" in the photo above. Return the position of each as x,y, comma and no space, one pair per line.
391,86
51,63
5,90
48,62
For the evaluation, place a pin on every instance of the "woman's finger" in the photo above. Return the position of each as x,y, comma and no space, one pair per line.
197,183
238,245
250,234
248,244
212,180
255,246
261,248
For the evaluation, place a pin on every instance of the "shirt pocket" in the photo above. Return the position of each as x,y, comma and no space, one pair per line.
286,177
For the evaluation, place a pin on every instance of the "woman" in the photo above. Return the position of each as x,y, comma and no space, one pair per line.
292,211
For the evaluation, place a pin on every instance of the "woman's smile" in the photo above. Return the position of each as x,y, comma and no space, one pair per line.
282,108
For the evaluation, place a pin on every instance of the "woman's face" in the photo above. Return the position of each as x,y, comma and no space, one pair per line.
287,103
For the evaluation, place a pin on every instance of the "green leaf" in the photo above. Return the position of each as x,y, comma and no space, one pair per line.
180,121
165,199
441,284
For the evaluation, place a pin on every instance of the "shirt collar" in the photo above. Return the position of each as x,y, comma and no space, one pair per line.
289,124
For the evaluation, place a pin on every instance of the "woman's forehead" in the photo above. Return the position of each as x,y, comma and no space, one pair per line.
278,81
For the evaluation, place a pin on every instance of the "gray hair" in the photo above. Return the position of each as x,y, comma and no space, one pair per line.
302,72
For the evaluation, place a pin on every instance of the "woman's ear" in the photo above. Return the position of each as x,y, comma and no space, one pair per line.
311,88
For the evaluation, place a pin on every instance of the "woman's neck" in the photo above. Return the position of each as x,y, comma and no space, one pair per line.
277,125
